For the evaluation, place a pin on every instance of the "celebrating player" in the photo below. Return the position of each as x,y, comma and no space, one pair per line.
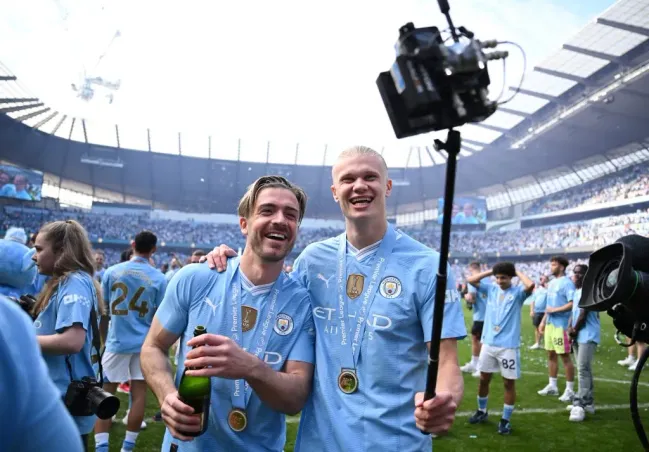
373,291
585,332
555,327
501,339
135,290
478,302
259,333
537,309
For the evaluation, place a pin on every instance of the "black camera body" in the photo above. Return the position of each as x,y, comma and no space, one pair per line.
432,86
617,282
26,303
85,397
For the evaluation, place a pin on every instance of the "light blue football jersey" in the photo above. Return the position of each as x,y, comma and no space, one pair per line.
590,332
502,326
540,300
71,304
197,295
480,305
32,415
9,291
560,292
392,362
133,290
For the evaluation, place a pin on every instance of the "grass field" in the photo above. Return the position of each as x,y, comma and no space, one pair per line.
540,423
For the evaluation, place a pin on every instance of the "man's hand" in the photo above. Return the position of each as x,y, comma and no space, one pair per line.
542,328
219,356
572,332
531,313
179,417
435,415
218,257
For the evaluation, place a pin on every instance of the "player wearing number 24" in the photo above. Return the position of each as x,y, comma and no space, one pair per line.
62,310
134,290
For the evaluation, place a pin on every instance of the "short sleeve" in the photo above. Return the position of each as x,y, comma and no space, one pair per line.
50,427
173,312
521,295
304,347
75,298
484,287
471,289
300,270
569,291
162,288
453,326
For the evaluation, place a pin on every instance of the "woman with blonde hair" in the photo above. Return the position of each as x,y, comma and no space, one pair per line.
63,309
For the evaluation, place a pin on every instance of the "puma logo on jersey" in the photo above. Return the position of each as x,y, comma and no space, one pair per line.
212,305
326,280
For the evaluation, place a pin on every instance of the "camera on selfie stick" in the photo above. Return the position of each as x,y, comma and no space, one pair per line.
435,86
617,282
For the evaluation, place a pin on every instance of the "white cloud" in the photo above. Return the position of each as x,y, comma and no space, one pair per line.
286,70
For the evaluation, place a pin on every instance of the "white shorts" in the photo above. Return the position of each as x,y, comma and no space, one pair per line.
121,367
498,359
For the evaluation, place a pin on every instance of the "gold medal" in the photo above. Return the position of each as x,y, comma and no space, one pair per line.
347,381
237,420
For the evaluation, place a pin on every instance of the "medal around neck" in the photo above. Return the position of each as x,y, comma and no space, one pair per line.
237,420
348,381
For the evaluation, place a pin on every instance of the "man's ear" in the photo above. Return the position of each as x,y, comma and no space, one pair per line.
388,188
243,224
333,193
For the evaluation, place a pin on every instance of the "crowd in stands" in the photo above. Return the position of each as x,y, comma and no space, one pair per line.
628,183
591,233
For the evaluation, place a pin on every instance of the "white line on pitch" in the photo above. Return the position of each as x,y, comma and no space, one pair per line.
625,406
603,380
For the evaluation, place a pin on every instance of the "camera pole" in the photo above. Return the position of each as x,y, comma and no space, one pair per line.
452,148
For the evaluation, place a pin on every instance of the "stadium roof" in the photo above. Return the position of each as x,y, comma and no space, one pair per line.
586,99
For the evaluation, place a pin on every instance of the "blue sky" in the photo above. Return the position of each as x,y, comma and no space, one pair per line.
286,70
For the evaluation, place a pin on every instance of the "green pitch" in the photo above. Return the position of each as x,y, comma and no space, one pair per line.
540,423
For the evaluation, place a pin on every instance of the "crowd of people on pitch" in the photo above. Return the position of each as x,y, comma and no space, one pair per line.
628,183
561,328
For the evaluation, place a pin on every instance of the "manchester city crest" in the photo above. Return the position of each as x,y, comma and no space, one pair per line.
390,287
283,324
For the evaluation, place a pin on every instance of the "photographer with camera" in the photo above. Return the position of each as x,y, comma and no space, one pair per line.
66,320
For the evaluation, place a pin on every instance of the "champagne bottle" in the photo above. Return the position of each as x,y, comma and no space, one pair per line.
195,392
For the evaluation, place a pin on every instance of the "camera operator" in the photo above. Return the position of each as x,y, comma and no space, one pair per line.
585,334
32,415
63,310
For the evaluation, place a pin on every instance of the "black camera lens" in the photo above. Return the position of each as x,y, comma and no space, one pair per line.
102,403
609,279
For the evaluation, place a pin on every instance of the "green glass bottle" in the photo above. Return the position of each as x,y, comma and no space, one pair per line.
195,392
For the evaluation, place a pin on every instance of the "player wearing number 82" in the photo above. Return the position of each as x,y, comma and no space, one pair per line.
134,289
501,336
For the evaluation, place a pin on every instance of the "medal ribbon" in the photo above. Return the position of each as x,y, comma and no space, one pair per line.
352,348
259,342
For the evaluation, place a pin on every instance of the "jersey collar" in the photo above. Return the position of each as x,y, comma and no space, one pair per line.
252,289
